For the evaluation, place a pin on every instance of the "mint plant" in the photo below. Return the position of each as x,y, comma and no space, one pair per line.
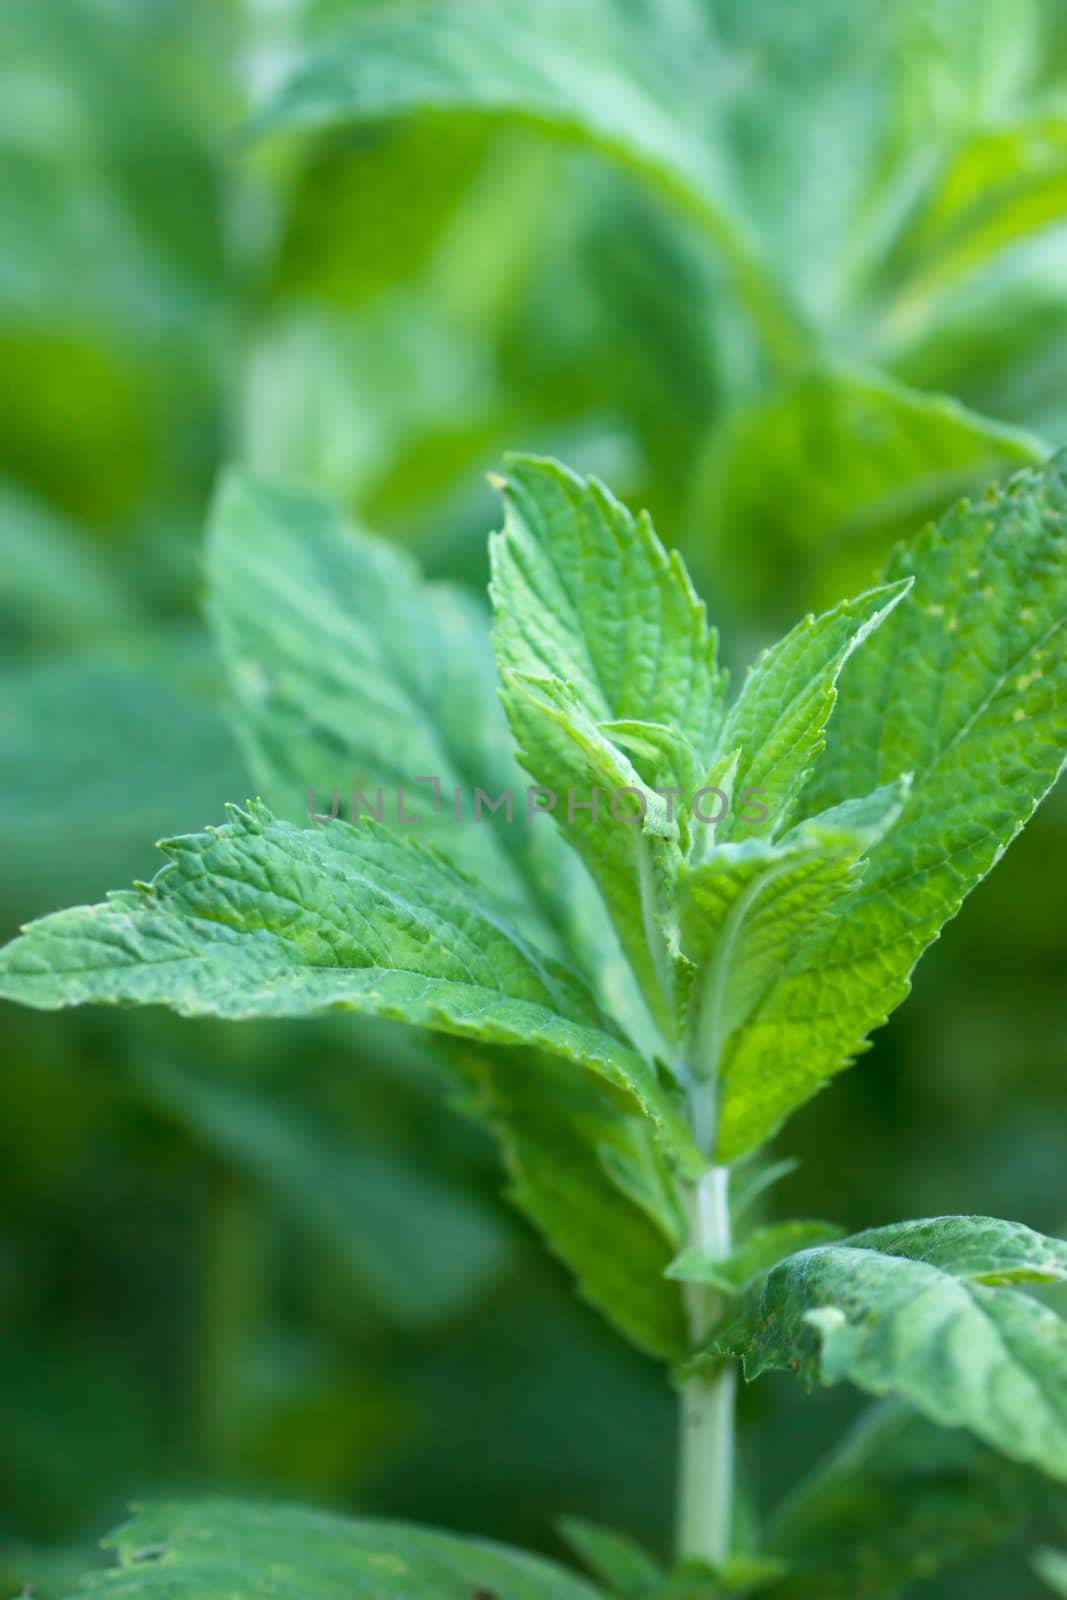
637,990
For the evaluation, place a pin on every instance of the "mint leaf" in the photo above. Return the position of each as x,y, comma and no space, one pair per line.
261,919
965,687
58,589
761,1251
567,543
896,1502
351,673
210,1549
1000,183
749,908
563,1142
613,1558
986,1249
135,745
1051,1567
574,670
365,1207
778,720
908,1310
598,74
816,481
597,798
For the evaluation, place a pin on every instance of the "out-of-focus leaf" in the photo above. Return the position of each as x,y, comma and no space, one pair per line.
54,588
614,1559
418,1246
813,484
740,1574
999,184
1051,1566
113,286
44,1571
897,1502
131,744
212,1549
80,1423
751,1180
399,185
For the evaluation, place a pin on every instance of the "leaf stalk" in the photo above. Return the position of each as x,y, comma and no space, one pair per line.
706,1446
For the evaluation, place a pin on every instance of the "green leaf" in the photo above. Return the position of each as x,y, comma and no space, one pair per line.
367,1207
647,660
750,908
816,481
761,1251
134,744
998,185
598,74
1051,1566
614,1559
908,1310
212,1550
261,919
897,1502
740,1574
779,719
965,687
351,673
57,590
567,544
597,797
987,1249
559,1132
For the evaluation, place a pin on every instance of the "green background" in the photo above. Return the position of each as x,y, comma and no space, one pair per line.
277,1258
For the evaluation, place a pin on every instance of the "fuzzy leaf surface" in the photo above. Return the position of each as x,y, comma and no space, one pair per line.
258,918
350,672
778,720
584,591
965,687
574,668
749,908
908,1311
556,1130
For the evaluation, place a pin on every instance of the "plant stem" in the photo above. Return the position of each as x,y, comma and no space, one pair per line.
706,1454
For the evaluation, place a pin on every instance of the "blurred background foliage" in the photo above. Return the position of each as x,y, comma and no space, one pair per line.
792,276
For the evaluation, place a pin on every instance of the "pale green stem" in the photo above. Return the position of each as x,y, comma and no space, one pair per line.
706,1455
